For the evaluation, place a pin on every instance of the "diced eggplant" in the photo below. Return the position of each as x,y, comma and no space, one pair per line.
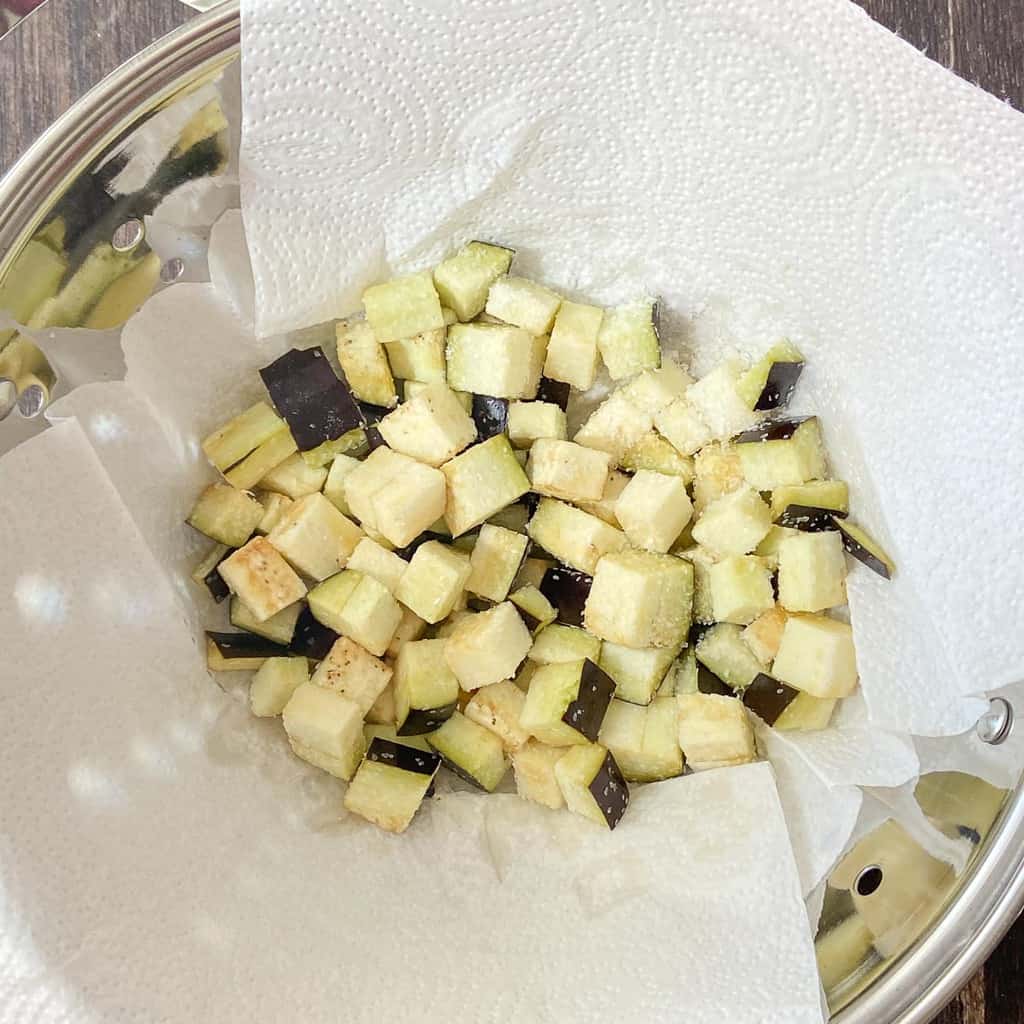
714,731
402,307
205,573
534,608
497,707
274,683
567,589
232,442
488,647
294,477
655,390
274,507
491,359
490,416
325,729
653,510
255,466
531,572
359,607
771,381
682,677
353,672
557,644
495,562
592,784
426,690
717,470
614,426
513,517
768,698
640,599
554,392
628,339
365,364
534,766
816,655
373,560
382,710
420,358
434,580
833,495
812,572
781,453
261,577
724,652
808,518
637,672
734,524
683,426
604,507
311,639
306,391
463,280
566,703
741,589
352,442
563,469
481,481
433,427
702,560
572,349
652,452
717,401
226,515
410,627
279,628
391,783
469,750
384,731
523,303
865,549
238,652
529,421
806,714
315,537
644,740
764,634
708,682
573,536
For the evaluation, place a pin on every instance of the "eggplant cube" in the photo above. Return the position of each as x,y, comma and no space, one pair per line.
279,628
655,390
717,401
410,627
806,714
497,707
359,607
426,690
816,655
865,549
463,280
391,783
628,341
556,644
592,784
566,703
232,442
572,348
770,382
385,566
491,359
481,482
824,494
523,303
434,580
495,562
782,453
433,427
714,731
325,729
354,673
530,421
716,471
334,486
488,647
315,537
614,426
682,426
562,469
274,508
253,468
474,753
637,672
294,478
812,572
652,452
724,652
419,358
534,608
403,307
764,634
573,536
226,515
534,766
311,639
604,507
382,711
644,740
702,560
262,579
768,698
365,364
274,683
395,496
741,589
640,599
734,524
653,510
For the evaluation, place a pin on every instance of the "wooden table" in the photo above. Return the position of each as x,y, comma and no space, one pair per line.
983,40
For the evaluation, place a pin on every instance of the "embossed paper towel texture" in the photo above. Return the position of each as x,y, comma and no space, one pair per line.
787,153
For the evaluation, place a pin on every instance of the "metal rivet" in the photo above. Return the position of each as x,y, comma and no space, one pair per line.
172,270
32,401
128,235
8,397
994,727
868,881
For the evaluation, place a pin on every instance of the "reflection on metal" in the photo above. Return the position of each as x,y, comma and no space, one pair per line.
32,401
128,235
172,270
994,727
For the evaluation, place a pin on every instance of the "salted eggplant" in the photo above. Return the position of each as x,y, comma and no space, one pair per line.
592,784
391,783
471,751
566,702
567,590
490,416
235,652
865,549
554,391
311,639
205,573
808,518
768,697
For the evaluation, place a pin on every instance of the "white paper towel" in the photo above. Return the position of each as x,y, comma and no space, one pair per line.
791,156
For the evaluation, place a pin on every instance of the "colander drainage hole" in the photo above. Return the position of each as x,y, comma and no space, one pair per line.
868,880
128,235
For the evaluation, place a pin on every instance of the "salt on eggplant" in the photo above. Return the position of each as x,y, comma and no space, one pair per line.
779,387
554,391
408,759
311,639
809,518
865,549
586,713
567,589
490,416
768,698
708,682
772,430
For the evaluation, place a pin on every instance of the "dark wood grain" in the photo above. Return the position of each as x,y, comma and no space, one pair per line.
982,40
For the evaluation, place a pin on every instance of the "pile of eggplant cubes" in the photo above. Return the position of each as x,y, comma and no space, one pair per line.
425,571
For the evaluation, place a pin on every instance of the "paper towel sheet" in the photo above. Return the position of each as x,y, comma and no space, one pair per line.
795,156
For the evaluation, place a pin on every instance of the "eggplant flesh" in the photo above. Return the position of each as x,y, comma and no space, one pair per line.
311,639
779,387
586,713
567,590
768,698
490,416
408,759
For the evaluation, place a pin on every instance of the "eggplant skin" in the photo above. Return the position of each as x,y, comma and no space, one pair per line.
214,582
409,759
314,402
423,720
490,416
809,518
859,550
554,391
768,698
779,387
567,590
311,639
708,682
245,645
586,713
773,430
610,792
